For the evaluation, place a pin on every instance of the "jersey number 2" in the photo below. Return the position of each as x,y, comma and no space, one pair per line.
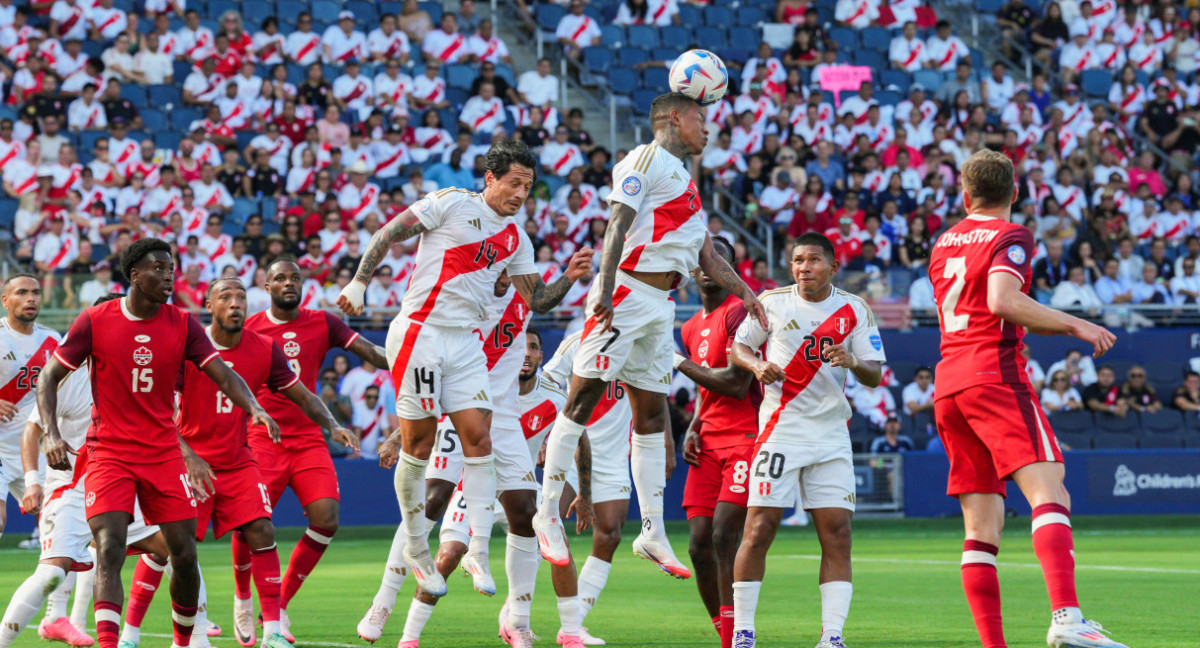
956,269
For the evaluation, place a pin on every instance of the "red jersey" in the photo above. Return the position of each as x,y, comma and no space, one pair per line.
212,425
135,365
305,341
708,338
978,348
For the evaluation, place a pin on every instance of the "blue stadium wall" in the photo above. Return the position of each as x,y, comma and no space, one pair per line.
1100,481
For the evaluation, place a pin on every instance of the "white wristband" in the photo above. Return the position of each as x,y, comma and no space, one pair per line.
353,292
679,358
31,478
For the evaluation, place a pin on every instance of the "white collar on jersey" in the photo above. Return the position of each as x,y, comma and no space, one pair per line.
208,332
272,317
979,217
126,312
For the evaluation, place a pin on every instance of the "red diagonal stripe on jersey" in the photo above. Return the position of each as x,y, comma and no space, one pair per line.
799,372
619,296
606,403
466,259
400,367
545,412
21,383
514,318
668,217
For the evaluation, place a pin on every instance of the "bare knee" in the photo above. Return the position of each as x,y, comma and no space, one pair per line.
700,548
519,510
259,534
449,555
582,399
725,543
606,540
323,514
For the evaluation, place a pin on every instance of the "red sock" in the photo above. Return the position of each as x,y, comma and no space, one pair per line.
726,628
1055,549
304,559
266,581
146,577
108,623
982,585
241,565
717,624
182,620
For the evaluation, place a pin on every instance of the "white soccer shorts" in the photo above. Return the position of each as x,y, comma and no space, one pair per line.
436,369
64,529
639,348
13,478
514,467
824,475
610,469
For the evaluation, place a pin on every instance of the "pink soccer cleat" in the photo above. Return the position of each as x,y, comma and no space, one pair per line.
659,551
409,644
570,641
61,630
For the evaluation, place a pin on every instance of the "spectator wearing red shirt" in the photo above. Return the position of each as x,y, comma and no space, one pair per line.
229,61
1145,173
900,143
760,278
846,243
850,207
290,125
189,291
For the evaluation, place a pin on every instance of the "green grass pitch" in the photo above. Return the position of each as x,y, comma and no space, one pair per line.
1139,576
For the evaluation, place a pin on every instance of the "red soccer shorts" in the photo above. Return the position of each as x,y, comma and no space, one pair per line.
241,497
162,489
991,431
721,477
308,470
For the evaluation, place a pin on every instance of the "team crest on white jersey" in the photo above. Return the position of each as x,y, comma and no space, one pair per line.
841,325
535,422
291,348
142,356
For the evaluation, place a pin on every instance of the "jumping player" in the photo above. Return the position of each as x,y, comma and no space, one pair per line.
718,446
437,358
302,461
25,347
815,336
988,416
134,449
656,236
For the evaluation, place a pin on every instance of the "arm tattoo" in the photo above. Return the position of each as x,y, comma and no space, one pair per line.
401,228
369,352
542,297
721,272
619,223
583,462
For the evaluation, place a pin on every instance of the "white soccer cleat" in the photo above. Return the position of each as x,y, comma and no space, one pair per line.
552,540
371,626
659,551
832,642
516,638
1088,634
589,640
285,626
744,639
425,570
243,622
476,566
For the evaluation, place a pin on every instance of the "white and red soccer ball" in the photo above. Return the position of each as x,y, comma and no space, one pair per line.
701,75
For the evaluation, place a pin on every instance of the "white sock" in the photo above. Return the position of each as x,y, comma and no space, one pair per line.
648,462
394,573
568,615
200,625
410,491
521,561
592,578
745,600
418,616
560,454
1068,616
83,595
479,492
27,600
835,607
271,628
56,603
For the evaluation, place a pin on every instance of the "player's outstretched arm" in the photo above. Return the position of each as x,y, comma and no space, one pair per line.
57,450
369,352
1006,301
728,381
715,266
31,500
620,219
765,372
542,298
398,229
236,389
314,408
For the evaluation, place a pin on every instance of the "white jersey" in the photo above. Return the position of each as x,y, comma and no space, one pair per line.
669,230
612,421
809,407
464,249
74,419
24,357
539,408
504,346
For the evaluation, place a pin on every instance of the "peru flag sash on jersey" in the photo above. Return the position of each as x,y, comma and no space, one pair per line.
26,378
359,89
950,52
112,19
583,26
482,119
1087,58
912,56
14,148
452,48
562,161
335,248
368,196
69,22
67,247
307,48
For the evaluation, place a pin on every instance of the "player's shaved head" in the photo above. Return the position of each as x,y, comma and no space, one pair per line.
284,283
535,333
273,266
988,180
22,299
664,104
14,279
224,283
724,248
138,251
226,300
104,299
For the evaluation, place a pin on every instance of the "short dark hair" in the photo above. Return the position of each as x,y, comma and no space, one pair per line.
536,333
19,275
506,152
134,254
285,258
1189,374
726,248
923,368
663,104
212,286
102,299
819,240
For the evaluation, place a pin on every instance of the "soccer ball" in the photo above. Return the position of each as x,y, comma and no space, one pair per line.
701,75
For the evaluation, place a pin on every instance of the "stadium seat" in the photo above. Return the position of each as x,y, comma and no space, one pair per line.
364,13
710,37
597,60
243,208
750,16
259,10
1163,372
903,370
142,136
989,7
1114,441
1120,367
1109,424
1074,440
898,78
165,97
655,79
676,37
168,139
181,70
506,71
548,15
718,16
689,14
462,75
871,58
218,7
1096,83
642,98
612,36
243,138
1162,441
88,139
744,37
740,56
876,38
1164,421
154,120
664,54
631,56
643,36
327,10
889,98
622,81
922,422
931,79
845,37
1078,422
435,10
134,93
182,118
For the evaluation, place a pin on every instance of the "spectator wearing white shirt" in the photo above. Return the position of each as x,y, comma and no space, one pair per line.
268,44
538,87
944,50
1111,288
203,86
353,91
358,197
384,292
85,113
157,66
778,202
856,13
387,43
652,12
244,264
71,60
370,422
195,40
445,44
874,404
70,20
1078,54
1148,289
907,51
417,186
1081,371
210,194
235,112
483,113
249,84
560,156
1059,395
341,42
107,21
485,46
390,153
55,248
118,62
1185,287
429,89
997,89
276,145
577,30
1076,293
1033,370
775,73
391,89
920,294
303,46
